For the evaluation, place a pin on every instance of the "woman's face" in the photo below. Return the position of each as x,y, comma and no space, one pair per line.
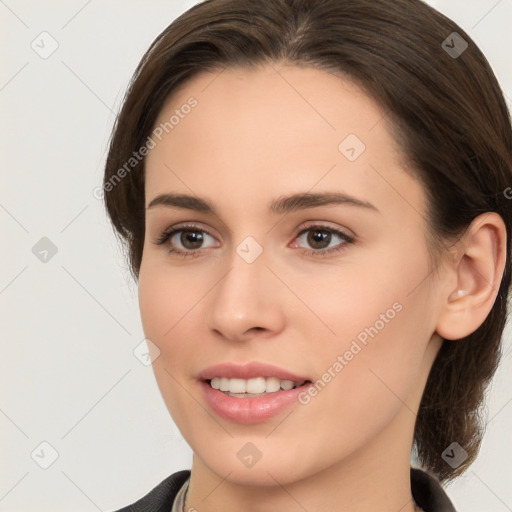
339,294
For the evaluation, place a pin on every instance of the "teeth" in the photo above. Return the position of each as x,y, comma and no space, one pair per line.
257,385
237,386
272,384
254,386
287,384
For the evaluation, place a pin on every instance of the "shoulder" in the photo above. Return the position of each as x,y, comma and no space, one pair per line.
161,497
428,492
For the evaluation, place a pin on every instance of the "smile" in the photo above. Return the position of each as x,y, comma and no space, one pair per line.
247,388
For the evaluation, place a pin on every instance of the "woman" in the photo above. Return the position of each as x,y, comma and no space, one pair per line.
313,198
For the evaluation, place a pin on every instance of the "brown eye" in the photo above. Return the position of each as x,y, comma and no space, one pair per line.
319,239
191,239
184,240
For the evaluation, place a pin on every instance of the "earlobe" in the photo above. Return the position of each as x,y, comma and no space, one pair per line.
479,269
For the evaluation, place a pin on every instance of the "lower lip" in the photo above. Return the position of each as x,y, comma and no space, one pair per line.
250,410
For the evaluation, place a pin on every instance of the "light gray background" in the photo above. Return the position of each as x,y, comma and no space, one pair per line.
70,325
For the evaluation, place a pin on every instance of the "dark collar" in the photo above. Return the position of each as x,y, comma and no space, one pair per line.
426,491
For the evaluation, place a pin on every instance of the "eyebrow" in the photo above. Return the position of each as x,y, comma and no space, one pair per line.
283,204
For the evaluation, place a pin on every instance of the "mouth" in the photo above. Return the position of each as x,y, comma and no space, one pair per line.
254,387
253,392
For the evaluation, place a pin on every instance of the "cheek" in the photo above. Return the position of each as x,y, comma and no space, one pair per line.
165,297
376,294
165,301
378,330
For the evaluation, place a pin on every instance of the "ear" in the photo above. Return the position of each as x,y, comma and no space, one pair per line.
477,269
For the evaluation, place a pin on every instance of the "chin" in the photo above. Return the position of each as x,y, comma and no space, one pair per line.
231,460
260,475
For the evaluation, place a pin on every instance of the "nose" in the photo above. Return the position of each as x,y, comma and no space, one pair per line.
246,301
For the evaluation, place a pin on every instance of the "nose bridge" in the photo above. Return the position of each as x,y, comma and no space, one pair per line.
244,297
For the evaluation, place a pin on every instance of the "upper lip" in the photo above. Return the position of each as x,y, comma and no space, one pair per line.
249,371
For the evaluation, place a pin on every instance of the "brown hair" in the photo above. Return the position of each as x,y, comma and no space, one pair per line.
448,116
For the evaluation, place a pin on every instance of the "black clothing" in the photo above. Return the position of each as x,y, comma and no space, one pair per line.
426,491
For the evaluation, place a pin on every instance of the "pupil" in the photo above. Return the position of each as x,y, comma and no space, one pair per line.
318,236
191,239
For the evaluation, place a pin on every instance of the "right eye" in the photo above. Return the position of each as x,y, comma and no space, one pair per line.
190,237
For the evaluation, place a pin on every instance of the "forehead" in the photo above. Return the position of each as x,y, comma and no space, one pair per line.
272,130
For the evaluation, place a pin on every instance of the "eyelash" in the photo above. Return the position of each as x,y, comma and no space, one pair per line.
169,233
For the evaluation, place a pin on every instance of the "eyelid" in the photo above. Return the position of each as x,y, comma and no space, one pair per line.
169,232
327,226
347,238
187,225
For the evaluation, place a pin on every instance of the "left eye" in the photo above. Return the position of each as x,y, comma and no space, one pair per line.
320,237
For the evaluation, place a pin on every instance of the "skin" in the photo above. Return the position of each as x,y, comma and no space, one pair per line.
256,135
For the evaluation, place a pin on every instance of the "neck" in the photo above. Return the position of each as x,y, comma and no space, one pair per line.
377,477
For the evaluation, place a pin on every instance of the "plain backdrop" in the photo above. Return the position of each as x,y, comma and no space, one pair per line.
73,395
